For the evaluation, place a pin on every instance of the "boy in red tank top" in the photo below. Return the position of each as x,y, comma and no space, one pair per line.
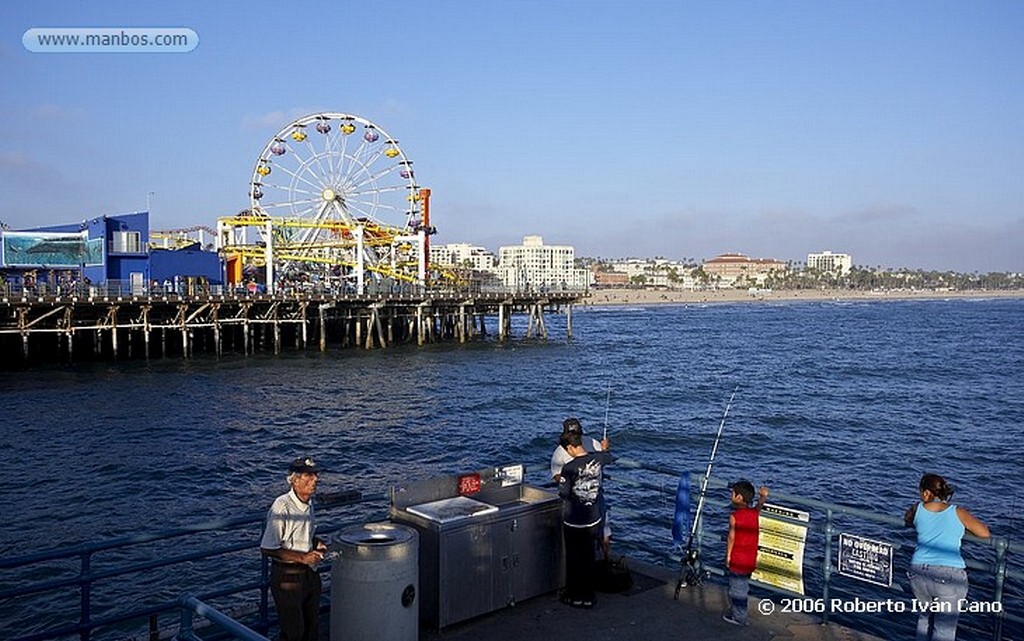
741,547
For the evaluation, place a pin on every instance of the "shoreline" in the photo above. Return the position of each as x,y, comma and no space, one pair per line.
645,297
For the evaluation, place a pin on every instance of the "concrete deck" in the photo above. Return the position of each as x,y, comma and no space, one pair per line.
647,611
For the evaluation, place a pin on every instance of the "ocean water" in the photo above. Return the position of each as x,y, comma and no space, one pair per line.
847,402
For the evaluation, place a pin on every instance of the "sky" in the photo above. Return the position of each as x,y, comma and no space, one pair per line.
892,131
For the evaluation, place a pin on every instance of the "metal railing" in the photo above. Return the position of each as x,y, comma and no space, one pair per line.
191,605
125,288
991,563
99,590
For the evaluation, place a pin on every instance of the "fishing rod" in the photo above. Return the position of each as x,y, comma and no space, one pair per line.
607,404
691,573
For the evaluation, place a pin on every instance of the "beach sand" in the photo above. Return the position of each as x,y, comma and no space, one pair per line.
599,297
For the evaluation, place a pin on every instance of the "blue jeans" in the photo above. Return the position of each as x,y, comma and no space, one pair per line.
938,590
739,589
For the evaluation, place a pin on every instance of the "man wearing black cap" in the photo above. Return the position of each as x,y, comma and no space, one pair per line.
561,455
289,540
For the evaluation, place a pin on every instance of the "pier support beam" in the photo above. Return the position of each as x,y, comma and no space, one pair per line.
144,320
536,321
419,325
461,329
277,331
244,313
69,328
215,319
182,320
323,325
23,327
112,322
375,313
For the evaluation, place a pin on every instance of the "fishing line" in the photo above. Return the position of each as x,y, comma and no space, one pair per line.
691,572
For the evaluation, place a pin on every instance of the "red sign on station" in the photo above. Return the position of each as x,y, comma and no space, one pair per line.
469,483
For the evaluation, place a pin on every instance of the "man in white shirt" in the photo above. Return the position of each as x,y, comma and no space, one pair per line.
290,541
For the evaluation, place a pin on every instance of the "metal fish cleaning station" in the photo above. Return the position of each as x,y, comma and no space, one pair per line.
115,325
475,555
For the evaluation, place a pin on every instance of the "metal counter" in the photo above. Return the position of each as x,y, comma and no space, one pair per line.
498,543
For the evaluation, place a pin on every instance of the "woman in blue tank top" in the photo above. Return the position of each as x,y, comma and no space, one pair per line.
938,574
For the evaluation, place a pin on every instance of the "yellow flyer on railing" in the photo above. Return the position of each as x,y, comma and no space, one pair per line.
780,549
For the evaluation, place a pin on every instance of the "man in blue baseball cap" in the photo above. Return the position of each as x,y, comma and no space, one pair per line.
289,539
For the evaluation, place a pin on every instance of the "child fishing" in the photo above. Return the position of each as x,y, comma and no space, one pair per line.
741,547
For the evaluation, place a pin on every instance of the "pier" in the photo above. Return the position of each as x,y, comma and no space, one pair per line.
113,326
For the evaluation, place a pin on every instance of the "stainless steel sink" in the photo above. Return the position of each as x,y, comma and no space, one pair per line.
515,496
453,509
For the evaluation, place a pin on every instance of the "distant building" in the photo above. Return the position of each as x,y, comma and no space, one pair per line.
603,278
534,265
462,255
656,272
829,263
188,270
738,269
634,267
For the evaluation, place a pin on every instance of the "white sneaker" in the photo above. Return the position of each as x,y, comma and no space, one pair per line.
728,619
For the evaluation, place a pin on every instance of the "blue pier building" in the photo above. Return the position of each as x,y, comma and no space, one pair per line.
109,252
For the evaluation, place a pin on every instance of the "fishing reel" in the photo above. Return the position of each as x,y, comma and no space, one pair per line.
692,573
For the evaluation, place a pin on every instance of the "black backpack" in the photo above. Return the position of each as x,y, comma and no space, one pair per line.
613,575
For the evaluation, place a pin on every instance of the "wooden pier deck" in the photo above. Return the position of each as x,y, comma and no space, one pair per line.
67,328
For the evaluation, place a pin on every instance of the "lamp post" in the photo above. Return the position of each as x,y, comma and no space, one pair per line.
149,194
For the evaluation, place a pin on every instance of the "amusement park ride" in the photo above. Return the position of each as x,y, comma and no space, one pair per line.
332,197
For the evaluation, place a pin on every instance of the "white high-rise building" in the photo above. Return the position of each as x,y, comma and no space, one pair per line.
827,262
463,255
536,266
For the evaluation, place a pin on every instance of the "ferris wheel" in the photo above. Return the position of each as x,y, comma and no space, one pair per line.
341,192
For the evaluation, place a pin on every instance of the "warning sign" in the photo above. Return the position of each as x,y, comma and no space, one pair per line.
780,549
865,559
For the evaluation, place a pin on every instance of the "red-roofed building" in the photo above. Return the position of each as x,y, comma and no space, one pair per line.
731,268
609,279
